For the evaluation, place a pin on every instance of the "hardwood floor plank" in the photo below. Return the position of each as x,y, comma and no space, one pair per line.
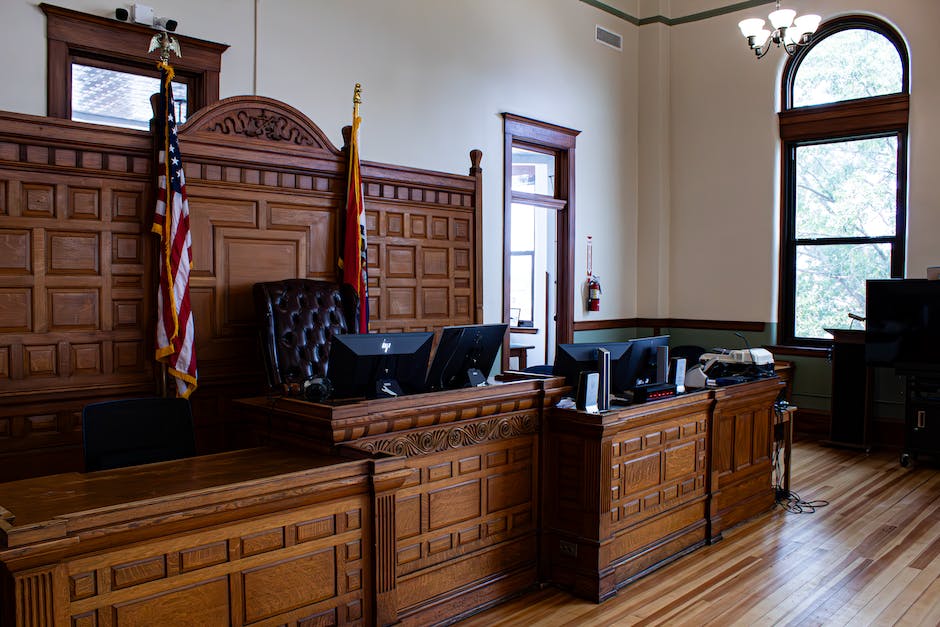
871,557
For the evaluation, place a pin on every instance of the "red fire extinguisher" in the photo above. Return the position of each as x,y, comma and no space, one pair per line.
594,293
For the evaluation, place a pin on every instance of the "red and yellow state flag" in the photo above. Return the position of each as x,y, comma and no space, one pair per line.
355,270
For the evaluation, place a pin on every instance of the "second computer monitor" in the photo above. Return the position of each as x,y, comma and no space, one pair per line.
573,359
638,367
378,364
465,355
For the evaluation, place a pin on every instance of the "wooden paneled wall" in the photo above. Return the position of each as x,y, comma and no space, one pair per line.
267,192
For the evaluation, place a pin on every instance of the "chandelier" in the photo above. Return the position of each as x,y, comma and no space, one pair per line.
789,31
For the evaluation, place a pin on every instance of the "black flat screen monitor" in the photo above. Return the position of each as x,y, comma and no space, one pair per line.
374,365
902,324
465,355
639,365
573,359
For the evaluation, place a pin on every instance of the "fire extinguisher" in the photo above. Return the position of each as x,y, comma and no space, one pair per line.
594,293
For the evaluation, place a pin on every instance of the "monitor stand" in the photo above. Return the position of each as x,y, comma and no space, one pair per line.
475,378
387,388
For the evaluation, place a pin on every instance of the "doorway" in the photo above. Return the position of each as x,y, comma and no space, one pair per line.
538,225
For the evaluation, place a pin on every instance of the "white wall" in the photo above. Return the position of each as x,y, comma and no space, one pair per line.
725,156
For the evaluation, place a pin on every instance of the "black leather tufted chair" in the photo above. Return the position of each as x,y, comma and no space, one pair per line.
297,319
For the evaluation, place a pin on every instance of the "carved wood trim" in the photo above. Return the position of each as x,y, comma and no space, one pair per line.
451,437
257,119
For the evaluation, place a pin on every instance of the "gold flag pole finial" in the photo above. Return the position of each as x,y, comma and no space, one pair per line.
357,99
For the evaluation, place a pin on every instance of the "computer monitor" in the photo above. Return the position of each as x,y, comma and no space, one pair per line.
465,355
374,365
639,365
573,359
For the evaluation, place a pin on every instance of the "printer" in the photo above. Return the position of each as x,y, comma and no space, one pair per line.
721,366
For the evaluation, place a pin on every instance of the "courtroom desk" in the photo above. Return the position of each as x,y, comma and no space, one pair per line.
630,489
624,491
741,456
259,535
466,517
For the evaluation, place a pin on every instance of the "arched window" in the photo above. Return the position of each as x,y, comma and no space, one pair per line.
844,131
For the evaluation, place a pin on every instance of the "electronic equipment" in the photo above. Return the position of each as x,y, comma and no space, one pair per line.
677,374
902,328
603,372
465,356
375,365
586,399
572,359
640,364
653,391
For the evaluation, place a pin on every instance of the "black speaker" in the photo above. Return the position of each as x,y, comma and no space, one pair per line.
121,14
587,392
603,372
662,364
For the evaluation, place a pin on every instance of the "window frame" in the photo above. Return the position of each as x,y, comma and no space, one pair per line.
76,37
863,118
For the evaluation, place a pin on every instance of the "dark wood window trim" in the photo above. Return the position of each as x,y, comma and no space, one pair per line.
559,141
878,116
72,36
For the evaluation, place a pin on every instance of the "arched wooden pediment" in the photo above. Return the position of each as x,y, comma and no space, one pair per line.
257,119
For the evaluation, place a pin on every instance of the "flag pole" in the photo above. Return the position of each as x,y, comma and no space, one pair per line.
357,100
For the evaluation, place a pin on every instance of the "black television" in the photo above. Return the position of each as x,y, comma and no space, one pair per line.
465,355
902,324
375,365
573,359
639,365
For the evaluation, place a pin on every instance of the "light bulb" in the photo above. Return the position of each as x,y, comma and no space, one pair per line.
751,26
782,18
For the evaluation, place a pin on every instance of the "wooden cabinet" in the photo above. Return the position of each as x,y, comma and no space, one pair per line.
628,490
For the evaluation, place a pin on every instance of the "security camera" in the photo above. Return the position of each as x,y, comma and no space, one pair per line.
165,23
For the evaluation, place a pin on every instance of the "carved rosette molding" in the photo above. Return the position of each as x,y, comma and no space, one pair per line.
456,436
263,124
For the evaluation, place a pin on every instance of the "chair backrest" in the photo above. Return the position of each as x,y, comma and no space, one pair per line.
136,431
296,319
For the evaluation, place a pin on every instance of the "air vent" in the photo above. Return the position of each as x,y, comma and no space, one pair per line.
608,38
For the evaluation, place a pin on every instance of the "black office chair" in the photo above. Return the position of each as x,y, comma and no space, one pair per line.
136,431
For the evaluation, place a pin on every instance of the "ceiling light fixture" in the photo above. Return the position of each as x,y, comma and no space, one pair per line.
789,31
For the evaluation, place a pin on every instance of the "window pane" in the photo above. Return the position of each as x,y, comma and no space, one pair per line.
849,64
119,98
847,189
830,283
533,172
520,281
522,224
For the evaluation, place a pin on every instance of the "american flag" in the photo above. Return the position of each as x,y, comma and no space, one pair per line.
355,269
175,329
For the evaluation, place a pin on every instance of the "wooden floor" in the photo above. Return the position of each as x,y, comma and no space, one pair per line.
872,556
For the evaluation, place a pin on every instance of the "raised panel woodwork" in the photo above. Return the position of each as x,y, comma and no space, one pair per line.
128,356
401,262
434,302
84,204
126,314
73,309
4,365
126,249
15,252
39,200
453,504
202,604
15,310
86,359
247,261
203,556
41,361
127,206
313,578
138,572
400,303
73,253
